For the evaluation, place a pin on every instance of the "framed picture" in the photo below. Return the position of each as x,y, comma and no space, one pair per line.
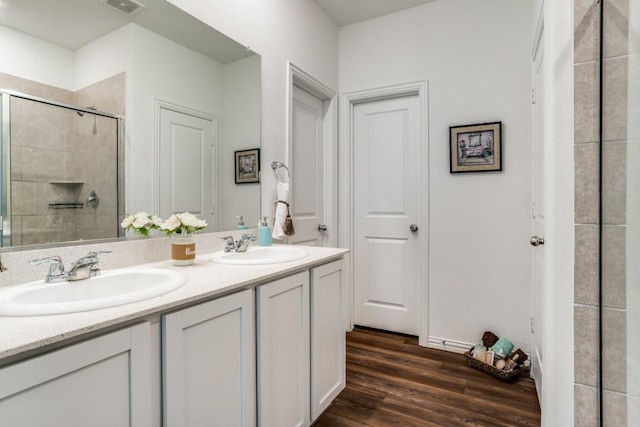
247,166
476,148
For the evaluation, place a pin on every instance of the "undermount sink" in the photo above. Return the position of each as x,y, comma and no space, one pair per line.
255,255
109,289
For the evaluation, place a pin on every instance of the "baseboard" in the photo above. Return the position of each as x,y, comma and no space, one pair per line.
448,345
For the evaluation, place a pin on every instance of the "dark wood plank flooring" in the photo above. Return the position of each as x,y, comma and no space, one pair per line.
391,381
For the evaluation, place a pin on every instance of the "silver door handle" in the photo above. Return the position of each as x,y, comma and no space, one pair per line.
413,228
322,228
536,241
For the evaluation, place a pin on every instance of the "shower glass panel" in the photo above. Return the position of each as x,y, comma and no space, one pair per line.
620,214
55,156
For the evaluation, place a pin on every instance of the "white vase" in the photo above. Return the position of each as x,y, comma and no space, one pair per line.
183,249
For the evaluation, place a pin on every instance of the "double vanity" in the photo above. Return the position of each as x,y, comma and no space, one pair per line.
237,339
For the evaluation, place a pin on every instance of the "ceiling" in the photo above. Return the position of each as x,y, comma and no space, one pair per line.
74,23
345,12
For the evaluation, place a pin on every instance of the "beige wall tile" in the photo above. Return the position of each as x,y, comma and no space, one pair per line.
614,183
614,261
586,406
614,352
586,15
586,264
616,28
8,81
587,192
615,409
614,112
586,345
586,105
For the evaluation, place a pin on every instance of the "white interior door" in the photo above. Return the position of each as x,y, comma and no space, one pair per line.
186,165
538,219
387,193
307,168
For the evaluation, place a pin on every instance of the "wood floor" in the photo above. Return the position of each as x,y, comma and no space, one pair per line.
391,381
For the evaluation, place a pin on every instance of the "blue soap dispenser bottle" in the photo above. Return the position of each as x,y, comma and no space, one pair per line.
241,225
264,232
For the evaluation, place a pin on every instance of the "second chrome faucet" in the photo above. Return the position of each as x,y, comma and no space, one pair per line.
239,246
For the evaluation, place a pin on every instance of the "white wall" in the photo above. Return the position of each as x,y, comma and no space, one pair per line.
280,31
476,58
240,130
102,58
34,59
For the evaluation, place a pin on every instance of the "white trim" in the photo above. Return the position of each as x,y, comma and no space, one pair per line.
303,80
158,105
345,177
558,389
449,345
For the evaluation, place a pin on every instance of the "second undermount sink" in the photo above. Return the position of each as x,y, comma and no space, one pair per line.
255,255
109,289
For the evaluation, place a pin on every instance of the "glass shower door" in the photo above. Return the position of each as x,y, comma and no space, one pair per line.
620,214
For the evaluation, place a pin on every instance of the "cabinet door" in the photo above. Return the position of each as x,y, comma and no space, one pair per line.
283,352
209,364
103,381
328,345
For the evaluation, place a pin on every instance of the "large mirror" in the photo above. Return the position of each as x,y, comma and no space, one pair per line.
114,107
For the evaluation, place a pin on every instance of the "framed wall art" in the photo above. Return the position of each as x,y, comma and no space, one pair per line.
247,166
476,148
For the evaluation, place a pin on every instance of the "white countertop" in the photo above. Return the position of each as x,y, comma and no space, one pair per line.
206,280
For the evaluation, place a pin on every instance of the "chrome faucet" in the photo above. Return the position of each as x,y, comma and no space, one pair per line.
56,268
86,267
239,246
83,268
243,243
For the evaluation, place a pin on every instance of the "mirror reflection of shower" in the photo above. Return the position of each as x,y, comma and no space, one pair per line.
53,160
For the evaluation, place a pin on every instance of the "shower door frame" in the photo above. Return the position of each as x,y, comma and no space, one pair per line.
5,143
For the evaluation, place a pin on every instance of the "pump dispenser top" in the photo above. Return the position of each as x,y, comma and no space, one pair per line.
264,232
241,225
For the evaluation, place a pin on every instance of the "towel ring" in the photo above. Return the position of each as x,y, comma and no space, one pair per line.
276,166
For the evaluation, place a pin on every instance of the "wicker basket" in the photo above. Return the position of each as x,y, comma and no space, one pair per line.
505,376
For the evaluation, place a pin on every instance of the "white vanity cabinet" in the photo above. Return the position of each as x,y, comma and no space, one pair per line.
104,381
283,352
209,363
328,345
301,345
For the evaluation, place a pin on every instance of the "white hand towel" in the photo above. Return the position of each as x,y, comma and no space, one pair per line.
281,211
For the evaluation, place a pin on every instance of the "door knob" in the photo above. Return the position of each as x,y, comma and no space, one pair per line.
536,241
322,228
413,228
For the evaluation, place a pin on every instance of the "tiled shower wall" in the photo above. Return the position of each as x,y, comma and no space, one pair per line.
58,156
614,213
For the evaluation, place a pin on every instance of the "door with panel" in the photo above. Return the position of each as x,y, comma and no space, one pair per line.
387,209
307,169
186,165
538,217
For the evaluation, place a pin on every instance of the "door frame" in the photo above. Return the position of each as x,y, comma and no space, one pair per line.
345,176
158,106
300,78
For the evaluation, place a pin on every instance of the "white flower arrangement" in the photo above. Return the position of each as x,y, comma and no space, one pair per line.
142,223
183,223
